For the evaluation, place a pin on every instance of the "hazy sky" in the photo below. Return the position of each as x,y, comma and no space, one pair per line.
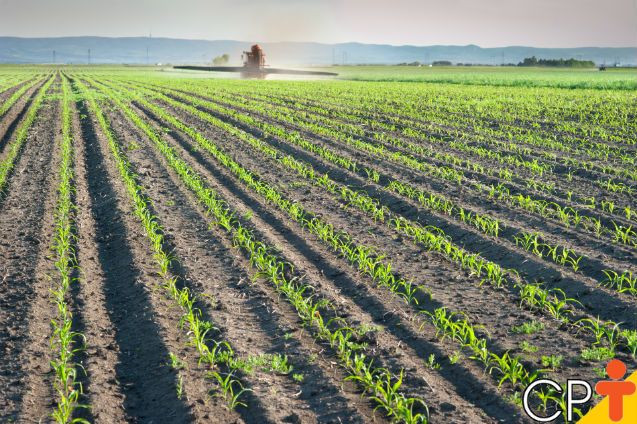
487,23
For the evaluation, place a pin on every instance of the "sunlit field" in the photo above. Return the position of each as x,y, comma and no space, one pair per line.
612,78
396,244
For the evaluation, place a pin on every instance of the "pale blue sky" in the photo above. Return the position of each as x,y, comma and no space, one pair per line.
487,23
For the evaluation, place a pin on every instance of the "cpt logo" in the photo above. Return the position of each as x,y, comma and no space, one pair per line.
615,390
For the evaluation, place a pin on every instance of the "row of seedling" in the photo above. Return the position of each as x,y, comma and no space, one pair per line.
64,341
610,333
536,244
484,223
566,215
622,282
384,390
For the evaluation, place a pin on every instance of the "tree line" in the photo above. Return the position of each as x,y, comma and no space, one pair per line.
558,63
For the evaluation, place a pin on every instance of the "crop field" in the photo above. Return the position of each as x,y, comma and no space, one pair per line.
217,250
613,78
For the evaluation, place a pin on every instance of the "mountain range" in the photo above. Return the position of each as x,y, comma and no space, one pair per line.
146,50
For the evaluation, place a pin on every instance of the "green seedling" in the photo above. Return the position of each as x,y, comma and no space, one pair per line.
553,362
528,327
597,354
527,347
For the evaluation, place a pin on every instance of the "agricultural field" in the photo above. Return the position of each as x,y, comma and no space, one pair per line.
613,78
180,249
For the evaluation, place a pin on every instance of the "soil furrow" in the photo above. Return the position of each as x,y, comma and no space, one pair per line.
99,383
14,117
25,310
128,276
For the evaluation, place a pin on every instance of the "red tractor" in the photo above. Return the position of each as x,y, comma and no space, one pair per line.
254,59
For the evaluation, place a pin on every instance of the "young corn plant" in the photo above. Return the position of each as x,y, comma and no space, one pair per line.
623,282
227,390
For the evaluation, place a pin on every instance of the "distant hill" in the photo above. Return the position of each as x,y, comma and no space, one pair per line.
141,50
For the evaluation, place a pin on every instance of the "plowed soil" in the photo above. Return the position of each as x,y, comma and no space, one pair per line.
132,330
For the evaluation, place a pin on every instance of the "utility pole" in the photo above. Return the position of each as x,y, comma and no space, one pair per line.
150,36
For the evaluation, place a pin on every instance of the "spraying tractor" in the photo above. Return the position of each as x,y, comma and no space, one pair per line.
253,66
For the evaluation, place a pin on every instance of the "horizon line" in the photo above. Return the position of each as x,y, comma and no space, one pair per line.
324,43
